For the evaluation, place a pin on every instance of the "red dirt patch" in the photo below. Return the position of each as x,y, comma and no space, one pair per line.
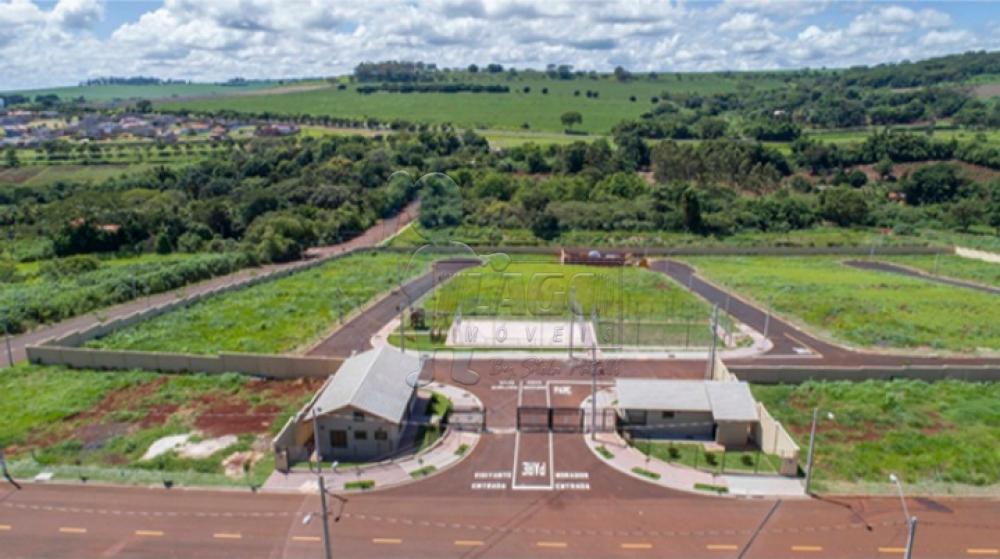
236,415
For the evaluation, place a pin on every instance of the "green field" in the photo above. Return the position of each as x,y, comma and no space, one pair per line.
862,308
99,424
491,110
695,456
953,266
43,175
272,317
100,93
52,290
943,432
655,310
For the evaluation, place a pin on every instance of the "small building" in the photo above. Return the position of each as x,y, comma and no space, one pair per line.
720,411
592,257
361,411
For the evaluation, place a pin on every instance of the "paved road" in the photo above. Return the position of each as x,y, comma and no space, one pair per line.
793,346
903,270
371,237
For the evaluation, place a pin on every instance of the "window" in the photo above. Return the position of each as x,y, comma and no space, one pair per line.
381,435
667,415
338,439
361,435
359,416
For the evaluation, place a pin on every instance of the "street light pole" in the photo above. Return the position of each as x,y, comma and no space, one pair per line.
812,447
909,538
326,525
911,521
593,380
319,455
767,316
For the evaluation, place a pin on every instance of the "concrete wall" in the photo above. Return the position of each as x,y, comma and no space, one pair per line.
772,438
262,365
978,254
733,434
769,374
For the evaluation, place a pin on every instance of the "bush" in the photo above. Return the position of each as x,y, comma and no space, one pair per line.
361,484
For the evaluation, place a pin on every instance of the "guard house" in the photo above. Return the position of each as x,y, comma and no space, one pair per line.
361,412
720,411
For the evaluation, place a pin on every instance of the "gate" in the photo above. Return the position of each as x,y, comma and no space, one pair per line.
468,419
532,418
566,420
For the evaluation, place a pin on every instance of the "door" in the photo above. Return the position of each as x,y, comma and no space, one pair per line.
338,438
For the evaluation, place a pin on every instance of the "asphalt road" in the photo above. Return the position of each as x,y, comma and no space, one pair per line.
903,270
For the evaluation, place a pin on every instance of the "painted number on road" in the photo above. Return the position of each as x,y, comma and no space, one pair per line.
533,469
562,390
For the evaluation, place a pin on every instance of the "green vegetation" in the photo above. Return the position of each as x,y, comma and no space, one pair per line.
462,449
926,433
986,273
540,111
656,310
41,175
865,308
271,317
99,425
695,456
113,92
360,484
604,452
438,410
53,290
645,473
423,472
720,489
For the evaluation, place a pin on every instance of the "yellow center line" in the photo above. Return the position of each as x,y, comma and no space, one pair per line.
809,548
227,536
721,547
149,533
390,541
892,550
641,545
71,530
983,551
551,544
468,543
306,538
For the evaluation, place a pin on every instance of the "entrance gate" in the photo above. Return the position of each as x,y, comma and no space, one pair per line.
559,420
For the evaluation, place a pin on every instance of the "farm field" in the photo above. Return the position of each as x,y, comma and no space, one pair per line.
101,93
655,310
100,425
272,317
491,110
953,266
52,290
930,434
862,308
43,175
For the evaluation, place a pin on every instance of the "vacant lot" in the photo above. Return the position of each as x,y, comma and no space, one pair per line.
100,424
927,433
953,266
52,290
271,317
863,308
655,310
540,111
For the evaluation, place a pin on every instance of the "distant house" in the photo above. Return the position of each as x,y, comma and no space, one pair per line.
720,411
273,130
361,412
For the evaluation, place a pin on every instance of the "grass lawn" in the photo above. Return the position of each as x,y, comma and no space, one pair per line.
272,317
695,456
99,424
927,433
540,289
949,265
439,409
863,308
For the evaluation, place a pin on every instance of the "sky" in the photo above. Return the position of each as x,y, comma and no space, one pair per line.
53,43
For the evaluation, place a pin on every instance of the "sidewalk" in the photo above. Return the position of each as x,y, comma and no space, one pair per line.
442,455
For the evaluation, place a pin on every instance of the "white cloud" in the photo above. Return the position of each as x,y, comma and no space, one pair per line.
219,39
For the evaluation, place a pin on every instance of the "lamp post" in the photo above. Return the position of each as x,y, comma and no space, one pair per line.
812,446
911,521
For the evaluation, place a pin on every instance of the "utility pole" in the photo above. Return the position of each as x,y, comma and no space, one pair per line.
572,319
402,329
909,537
319,455
911,521
767,315
812,447
710,373
326,525
593,381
